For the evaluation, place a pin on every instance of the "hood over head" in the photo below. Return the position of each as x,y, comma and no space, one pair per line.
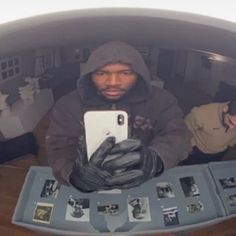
114,52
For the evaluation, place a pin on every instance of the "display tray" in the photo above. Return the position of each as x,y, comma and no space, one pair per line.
181,199
224,175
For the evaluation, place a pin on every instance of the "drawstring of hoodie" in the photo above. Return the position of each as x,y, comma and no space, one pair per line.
113,106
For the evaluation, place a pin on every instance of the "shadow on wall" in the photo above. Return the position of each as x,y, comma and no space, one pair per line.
63,79
188,94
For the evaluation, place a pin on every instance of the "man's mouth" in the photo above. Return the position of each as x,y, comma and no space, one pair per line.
113,92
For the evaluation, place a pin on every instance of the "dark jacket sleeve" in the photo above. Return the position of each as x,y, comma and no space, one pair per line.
172,137
62,140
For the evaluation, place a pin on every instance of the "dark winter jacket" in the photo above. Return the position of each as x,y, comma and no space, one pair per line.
154,116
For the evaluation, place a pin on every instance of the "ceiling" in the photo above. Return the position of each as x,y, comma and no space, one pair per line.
137,26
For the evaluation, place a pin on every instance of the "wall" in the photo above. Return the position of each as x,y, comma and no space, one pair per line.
11,86
208,79
224,71
195,71
228,74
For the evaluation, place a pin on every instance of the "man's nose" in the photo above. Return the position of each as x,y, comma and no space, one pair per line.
113,79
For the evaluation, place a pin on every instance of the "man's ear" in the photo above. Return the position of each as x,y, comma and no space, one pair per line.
225,108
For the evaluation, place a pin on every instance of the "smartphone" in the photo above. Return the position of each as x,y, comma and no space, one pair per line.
102,124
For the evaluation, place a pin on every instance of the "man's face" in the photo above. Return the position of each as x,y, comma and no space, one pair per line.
229,120
114,80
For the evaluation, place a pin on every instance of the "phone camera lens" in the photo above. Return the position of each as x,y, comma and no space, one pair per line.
120,119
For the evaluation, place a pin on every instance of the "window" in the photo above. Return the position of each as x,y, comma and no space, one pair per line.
10,68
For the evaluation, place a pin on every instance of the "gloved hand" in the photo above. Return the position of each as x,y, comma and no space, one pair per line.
88,177
132,164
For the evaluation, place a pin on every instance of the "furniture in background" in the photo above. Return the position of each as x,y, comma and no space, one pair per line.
25,116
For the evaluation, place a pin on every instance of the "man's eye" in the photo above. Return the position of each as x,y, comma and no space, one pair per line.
100,73
127,72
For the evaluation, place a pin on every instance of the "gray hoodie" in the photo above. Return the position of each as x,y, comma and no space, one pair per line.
154,116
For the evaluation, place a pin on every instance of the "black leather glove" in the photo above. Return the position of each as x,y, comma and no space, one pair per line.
88,177
132,164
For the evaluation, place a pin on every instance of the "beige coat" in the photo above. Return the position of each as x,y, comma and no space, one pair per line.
209,133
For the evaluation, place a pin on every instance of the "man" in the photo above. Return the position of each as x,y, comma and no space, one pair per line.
214,130
116,77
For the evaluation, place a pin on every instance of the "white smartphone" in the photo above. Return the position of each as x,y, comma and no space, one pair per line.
102,124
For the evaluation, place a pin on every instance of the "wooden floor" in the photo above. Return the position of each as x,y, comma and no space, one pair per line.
11,179
12,176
